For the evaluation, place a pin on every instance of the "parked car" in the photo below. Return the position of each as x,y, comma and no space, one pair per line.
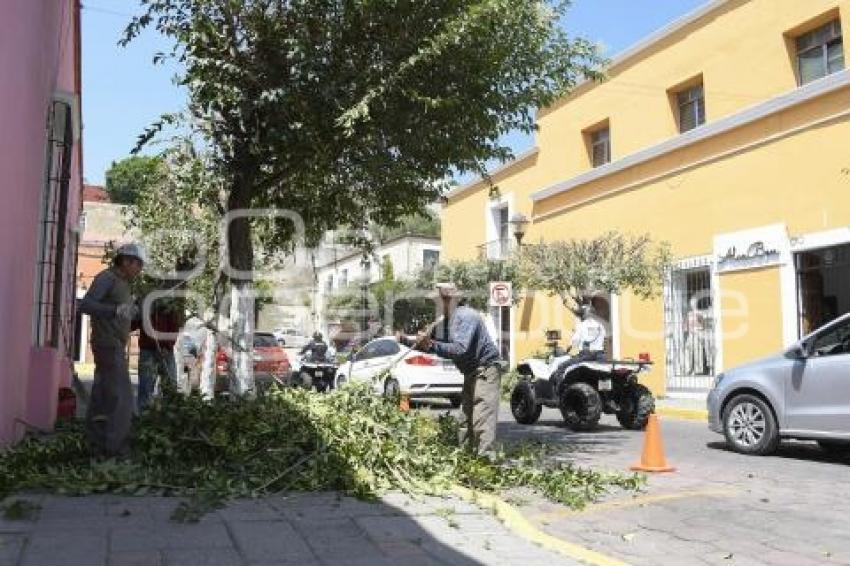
803,392
271,364
412,373
290,338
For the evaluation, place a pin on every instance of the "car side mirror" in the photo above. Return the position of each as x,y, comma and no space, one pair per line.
799,351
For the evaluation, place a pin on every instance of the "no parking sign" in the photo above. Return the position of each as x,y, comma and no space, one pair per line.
501,294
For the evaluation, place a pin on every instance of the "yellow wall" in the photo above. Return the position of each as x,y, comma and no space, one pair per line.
789,168
752,323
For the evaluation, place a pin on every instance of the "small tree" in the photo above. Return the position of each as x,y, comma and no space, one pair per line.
473,277
575,270
130,177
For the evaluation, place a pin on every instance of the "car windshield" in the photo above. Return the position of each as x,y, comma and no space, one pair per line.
264,341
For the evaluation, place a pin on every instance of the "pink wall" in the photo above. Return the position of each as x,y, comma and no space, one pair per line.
38,58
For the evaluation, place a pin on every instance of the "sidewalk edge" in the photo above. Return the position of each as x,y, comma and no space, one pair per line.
516,522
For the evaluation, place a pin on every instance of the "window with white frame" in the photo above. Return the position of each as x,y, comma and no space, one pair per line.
430,259
329,284
820,52
690,327
343,278
691,104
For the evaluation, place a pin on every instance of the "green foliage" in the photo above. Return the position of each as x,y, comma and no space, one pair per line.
577,269
473,277
20,510
360,110
350,441
509,381
424,224
131,177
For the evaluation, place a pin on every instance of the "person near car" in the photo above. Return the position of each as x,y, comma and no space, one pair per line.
316,349
461,335
157,336
110,305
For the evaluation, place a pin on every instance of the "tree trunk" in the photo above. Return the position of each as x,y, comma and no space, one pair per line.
207,381
240,250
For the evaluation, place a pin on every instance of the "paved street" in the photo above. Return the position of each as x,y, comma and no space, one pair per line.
307,530
718,508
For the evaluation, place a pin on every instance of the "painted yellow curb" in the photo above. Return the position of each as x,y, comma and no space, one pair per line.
684,414
515,521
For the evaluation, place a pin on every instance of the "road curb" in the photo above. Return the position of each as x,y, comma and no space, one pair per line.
682,414
514,520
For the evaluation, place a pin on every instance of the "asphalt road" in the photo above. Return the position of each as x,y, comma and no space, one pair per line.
719,507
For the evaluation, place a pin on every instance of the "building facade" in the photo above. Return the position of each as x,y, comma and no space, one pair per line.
725,134
407,255
41,186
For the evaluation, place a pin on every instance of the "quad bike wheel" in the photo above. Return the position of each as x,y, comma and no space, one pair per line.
581,406
636,405
524,405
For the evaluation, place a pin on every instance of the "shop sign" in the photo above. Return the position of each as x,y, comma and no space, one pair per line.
750,249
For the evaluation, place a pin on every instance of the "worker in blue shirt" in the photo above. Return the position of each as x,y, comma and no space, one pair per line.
461,336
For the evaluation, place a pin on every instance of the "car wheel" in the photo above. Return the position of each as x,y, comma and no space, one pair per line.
392,390
581,407
635,407
524,406
835,447
456,401
749,426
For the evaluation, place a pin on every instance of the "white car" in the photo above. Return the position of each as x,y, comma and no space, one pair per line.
412,373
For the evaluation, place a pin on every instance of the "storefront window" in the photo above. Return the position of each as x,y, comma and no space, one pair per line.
690,329
823,284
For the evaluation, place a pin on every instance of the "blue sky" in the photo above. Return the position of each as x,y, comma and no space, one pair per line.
123,92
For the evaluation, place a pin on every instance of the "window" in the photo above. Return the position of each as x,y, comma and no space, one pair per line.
264,341
343,278
385,348
691,104
430,259
833,342
600,147
689,321
820,52
51,291
329,284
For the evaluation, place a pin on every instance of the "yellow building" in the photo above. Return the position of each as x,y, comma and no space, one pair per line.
726,134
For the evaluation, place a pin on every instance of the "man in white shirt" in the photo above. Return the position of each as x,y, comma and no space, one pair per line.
588,343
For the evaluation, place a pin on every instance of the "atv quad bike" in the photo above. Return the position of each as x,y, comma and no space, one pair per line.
583,392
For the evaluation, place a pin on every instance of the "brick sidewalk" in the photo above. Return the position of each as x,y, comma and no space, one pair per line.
303,529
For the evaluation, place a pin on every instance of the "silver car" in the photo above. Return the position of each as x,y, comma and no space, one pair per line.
802,393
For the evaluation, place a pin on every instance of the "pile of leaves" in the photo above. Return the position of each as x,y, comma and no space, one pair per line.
288,440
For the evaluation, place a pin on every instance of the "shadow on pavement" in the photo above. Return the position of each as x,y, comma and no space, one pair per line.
793,450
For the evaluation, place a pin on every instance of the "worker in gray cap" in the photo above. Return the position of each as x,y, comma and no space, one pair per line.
111,307
461,336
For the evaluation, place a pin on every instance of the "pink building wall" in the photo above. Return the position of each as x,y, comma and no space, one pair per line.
39,60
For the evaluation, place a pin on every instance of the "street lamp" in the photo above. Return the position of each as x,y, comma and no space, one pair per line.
519,223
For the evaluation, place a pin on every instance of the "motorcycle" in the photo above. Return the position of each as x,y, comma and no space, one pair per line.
316,370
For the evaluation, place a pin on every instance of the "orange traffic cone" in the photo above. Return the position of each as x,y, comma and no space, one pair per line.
653,459
404,403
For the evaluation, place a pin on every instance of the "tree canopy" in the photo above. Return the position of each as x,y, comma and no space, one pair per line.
130,177
574,270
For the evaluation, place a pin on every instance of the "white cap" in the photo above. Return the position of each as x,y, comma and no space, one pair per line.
132,250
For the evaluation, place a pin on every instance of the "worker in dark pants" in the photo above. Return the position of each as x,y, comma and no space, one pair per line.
110,305
461,336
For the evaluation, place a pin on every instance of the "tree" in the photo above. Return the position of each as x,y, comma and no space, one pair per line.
132,176
356,111
575,270
425,223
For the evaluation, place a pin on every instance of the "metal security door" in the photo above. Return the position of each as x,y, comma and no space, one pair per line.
689,327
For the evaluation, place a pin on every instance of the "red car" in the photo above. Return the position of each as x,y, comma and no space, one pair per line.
271,364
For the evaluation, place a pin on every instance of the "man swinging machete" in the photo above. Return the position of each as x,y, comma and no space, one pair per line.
462,337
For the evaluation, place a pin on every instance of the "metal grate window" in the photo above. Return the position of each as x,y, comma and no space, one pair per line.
691,108
820,52
690,328
52,228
